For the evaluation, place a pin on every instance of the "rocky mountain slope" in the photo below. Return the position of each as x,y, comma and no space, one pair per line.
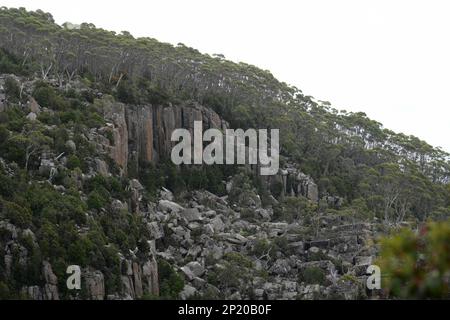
85,178
227,246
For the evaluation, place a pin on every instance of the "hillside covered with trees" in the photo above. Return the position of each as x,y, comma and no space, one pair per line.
80,182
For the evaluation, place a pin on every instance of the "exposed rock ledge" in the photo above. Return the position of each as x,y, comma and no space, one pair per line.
142,133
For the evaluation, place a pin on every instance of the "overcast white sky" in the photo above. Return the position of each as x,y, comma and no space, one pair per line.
388,58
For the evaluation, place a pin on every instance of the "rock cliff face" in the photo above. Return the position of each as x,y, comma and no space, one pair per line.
51,286
118,147
142,133
299,184
293,183
140,279
95,284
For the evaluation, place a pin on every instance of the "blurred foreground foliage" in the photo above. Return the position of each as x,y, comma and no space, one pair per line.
416,265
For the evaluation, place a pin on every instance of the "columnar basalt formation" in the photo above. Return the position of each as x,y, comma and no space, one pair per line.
143,133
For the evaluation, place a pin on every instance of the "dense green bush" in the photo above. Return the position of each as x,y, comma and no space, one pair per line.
12,90
13,118
233,272
16,214
170,282
177,179
417,265
276,188
93,119
4,289
4,134
243,192
293,208
127,93
48,97
47,203
312,275
96,200
9,64
261,247
7,186
107,187
73,162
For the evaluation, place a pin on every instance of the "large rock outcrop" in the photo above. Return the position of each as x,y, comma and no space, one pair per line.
150,127
51,282
142,133
115,112
95,284
293,182
139,279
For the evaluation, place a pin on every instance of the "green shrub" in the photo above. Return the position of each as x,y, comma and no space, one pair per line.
281,245
96,200
4,134
71,116
49,118
16,214
293,208
276,188
47,97
9,64
13,118
238,259
94,120
170,282
312,275
127,93
7,186
261,247
107,187
12,90
417,265
235,271
5,293
248,214
73,162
